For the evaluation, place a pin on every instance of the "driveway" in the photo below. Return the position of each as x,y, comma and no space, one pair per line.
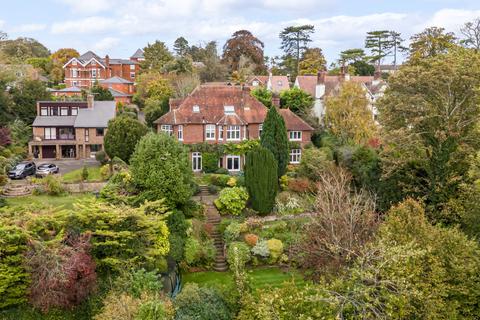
67,165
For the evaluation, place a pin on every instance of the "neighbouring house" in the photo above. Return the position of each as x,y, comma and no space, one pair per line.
89,68
70,129
323,85
221,114
121,89
67,92
276,84
19,72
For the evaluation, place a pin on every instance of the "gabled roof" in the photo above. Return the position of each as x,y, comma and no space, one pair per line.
87,56
116,80
278,83
138,54
294,122
308,83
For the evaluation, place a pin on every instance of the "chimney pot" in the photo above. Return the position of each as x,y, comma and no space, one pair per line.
321,77
90,101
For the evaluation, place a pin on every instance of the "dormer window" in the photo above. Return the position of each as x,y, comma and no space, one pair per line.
229,109
74,62
255,83
196,108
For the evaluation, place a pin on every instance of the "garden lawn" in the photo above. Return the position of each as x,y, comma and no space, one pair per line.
260,277
76,175
60,201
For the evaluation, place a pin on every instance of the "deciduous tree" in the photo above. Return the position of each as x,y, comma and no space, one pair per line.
471,33
244,43
312,61
157,57
296,100
430,42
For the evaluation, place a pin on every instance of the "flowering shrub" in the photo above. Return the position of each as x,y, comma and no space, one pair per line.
238,252
232,182
261,249
286,203
275,247
251,239
232,200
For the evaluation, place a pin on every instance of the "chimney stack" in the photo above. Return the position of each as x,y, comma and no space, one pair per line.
107,66
276,100
321,77
90,101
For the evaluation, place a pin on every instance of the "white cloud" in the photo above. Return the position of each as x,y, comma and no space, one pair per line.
106,44
88,6
25,28
84,26
451,19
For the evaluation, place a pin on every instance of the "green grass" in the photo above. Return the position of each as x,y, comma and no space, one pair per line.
76,175
60,201
260,277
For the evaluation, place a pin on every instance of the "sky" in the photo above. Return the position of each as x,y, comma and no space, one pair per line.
119,27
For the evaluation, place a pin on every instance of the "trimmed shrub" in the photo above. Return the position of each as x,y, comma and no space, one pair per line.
84,173
105,172
251,239
220,180
232,200
261,179
201,303
101,156
275,247
238,252
209,162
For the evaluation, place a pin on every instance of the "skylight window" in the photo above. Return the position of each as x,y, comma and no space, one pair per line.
229,109
196,108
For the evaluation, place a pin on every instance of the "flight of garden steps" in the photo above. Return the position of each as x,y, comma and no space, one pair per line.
17,189
213,217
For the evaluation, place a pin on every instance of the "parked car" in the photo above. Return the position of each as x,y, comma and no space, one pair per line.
46,169
22,170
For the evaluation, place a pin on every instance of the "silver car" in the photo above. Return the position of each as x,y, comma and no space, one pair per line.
45,169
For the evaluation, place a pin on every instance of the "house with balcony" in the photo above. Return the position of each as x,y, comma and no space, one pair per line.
83,72
221,114
70,129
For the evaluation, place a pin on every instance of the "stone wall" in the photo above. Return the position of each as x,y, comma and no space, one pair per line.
84,187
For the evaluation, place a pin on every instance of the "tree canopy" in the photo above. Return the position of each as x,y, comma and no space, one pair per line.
295,41
123,134
312,61
244,43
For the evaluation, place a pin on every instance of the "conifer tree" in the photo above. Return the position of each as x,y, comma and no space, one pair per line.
274,138
261,179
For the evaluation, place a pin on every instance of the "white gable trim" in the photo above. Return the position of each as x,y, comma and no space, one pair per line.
84,64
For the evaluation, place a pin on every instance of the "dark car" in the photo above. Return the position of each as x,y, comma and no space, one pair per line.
46,169
21,170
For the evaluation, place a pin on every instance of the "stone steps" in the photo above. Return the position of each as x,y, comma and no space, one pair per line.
214,218
17,190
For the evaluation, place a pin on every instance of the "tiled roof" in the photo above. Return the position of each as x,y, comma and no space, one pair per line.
211,100
119,61
308,83
117,94
279,83
116,79
294,122
87,56
262,79
69,89
96,117
61,121
138,54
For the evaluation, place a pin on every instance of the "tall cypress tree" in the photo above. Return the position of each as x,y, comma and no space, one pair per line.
274,138
261,179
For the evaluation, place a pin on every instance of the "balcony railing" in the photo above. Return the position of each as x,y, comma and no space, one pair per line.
57,137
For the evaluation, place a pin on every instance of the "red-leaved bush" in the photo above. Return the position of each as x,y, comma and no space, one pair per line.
300,185
5,138
62,274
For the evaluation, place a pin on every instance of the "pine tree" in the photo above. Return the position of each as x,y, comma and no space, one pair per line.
274,138
261,179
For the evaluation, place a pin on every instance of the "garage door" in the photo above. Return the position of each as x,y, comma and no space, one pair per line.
48,152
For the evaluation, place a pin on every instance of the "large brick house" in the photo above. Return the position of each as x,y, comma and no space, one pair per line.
89,68
219,114
70,129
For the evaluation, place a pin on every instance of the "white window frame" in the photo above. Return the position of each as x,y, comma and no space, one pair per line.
74,111
260,129
132,67
233,133
50,133
180,133
74,73
74,84
196,161
87,134
295,135
94,73
44,111
232,158
295,156
167,128
220,133
132,75
64,111
229,109
210,132
255,83
196,108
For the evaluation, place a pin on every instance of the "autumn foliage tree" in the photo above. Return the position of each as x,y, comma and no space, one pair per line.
244,43
312,61
348,116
